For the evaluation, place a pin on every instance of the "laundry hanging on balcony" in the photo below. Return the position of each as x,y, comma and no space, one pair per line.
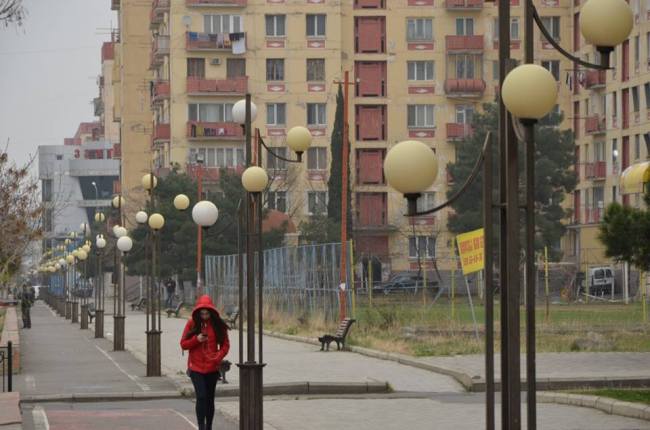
234,41
238,43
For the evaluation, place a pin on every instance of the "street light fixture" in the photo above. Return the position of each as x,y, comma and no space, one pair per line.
205,213
539,87
124,244
100,217
100,244
181,202
118,202
606,23
254,179
141,217
156,221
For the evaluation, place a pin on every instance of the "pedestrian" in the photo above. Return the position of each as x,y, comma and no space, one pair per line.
26,302
206,337
170,286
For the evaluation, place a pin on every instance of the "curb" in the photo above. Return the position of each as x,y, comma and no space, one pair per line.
607,405
100,397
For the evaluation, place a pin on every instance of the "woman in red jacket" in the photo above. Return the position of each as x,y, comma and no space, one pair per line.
206,337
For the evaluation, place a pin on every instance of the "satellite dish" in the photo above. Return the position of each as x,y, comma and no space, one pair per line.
187,21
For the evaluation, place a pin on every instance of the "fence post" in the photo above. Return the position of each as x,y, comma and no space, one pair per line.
10,364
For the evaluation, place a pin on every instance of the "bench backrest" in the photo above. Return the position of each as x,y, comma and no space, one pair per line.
344,327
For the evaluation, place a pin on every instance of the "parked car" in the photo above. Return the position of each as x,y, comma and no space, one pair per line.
403,283
601,280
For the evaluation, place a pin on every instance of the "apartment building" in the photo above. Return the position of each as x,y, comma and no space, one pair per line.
420,70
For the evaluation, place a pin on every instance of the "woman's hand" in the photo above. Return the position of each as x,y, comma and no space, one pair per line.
202,337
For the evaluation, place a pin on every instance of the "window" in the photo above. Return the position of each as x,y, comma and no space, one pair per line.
466,66
59,157
514,28
276,113
635,99
196,67
464,114
275,69
317,202
214,24
316,114
637,146
599,151
420,116
275,25
277,200
317,158
235,67
210,112
552,24
274,163
422,246
420,70
315,69
316,25
46,190
219,157
426,201
637,51
47,219
464,26
646,88
614,155
419,29
552,66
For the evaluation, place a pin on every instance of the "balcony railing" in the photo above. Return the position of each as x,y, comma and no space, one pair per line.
157,13
594,125
464,43
596,170
209,173
456,131
209,3
216,86
208,41
214,130
160,90
464,87
161,132
117,150
593,215
596,79
464,4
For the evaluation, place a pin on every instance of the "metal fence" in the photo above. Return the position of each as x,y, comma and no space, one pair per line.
6,365
297,280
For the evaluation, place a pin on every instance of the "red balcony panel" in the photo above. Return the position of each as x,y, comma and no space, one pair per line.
595,124
593,215
370,34
230,86
371,78
625,104
370,166
117,150
369,4
464,43
596,78
214,130
192,3
372,209
596,170
161,132
464,86
108,51
371,122
458,131
161,90
464,4
372,245
209,173
207,41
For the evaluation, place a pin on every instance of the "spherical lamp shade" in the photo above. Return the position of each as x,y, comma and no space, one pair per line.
410,167
82,255
141,217
75,253
67,242
529,91
124,244
99,217
118,202
239,111
115,228
254,179
57,266
62,262
181,202
120,231
52,269
606,23
100,243
69,259
86,248
146,182
299,139
205,213
85,228
156,221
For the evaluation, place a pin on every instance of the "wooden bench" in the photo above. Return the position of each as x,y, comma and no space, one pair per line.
139,305
91,312
231,316
338,337
175,311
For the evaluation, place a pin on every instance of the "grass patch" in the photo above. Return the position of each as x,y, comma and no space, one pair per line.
430,330
632,395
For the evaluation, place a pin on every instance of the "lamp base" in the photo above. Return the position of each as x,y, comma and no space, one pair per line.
118,332
84,317
75,312
153,353
251,396
68,309
99,323
604,55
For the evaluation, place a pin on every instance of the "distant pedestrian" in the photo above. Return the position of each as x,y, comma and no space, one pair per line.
26,302
206,337
170,286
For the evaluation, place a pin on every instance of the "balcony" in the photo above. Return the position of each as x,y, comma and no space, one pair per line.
198,130
596,79
161,132
458,131
209,173
159,49
596,170
115,4
216,3
97,167
160,91
595,125
593,215
98,105
464,43
157,13
117,151
231,86
465,88
208,41
464,4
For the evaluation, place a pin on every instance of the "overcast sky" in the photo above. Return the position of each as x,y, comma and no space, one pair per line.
48,72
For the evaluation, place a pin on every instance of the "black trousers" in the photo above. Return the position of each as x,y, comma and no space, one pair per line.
27,318
204,387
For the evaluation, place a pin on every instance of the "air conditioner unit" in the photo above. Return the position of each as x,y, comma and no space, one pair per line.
215,61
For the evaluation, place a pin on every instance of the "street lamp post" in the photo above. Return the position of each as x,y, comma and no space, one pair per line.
75,288
83,256
119,310
255,180
100,244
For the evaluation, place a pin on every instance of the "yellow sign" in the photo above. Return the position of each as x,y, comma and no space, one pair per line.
470,247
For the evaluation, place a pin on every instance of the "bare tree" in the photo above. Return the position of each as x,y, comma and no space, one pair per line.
12,12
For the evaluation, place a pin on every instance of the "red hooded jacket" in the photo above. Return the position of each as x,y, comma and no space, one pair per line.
204,357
